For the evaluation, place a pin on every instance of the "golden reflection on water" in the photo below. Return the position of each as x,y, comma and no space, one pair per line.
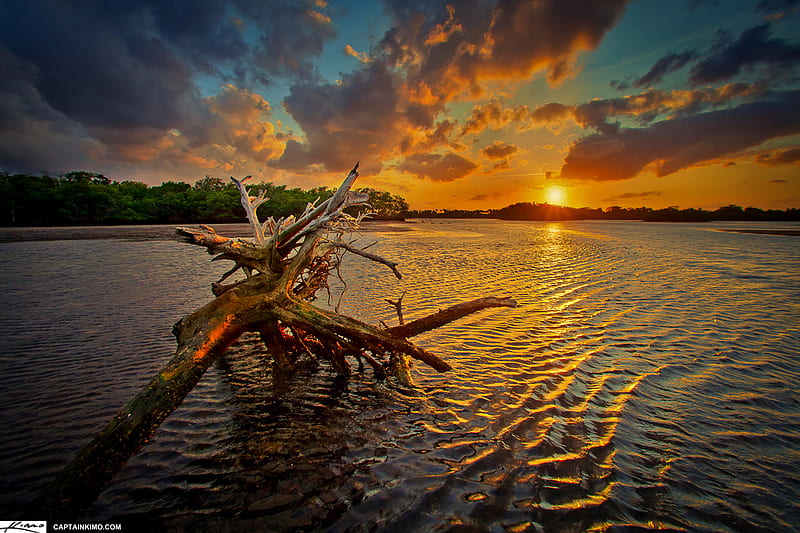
647,380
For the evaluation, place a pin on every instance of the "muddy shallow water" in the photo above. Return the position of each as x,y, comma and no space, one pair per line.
648,380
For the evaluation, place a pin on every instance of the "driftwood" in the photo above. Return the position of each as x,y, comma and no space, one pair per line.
285,265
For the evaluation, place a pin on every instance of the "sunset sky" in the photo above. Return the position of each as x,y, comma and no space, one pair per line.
469,105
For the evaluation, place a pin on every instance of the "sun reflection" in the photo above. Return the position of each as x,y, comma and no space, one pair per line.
553,227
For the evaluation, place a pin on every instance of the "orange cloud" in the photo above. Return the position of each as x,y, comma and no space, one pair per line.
643,107
350,51
438,167
683,142
442,32
393,106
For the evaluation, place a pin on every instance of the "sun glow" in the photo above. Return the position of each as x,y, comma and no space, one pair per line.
555,195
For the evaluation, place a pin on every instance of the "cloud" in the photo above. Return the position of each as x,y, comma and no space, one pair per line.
246,129
669,63
633,195
494,115
754,47
120,82
620,85
433,54
442,32
672,145
500,150
526,37
128,82
369,116
483,197
438,167
777,9
644,107
779,157
350,51
777,181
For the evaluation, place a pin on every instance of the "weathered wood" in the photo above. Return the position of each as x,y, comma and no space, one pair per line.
398,307
372,257
445,316
288,262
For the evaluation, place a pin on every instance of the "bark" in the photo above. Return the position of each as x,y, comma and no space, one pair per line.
445,316
288,261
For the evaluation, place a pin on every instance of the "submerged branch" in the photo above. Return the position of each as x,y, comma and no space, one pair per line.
445,316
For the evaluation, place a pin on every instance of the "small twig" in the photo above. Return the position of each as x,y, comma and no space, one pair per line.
398,306
344,284
299,338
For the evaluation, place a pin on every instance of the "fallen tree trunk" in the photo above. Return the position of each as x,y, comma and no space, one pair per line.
285,265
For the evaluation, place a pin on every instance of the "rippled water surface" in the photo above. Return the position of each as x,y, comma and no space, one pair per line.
648,380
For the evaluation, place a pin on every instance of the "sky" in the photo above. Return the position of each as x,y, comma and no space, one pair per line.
455,104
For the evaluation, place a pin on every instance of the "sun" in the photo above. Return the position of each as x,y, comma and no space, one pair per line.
554,195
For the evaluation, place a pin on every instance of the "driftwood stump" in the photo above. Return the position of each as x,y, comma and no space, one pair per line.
285,264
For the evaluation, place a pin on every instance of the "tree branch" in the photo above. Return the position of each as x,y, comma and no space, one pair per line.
398,306
448,315
372,257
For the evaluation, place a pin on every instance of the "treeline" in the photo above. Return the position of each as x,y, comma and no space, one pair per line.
87,198
534,211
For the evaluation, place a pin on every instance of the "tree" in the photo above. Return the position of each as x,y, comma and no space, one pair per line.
210,183
384,205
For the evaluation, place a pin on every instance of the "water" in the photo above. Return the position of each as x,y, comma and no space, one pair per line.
648,380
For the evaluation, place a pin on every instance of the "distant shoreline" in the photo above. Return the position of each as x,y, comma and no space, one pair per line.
162,232
789,232
146,232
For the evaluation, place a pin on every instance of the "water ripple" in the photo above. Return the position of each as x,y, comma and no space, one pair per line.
647,381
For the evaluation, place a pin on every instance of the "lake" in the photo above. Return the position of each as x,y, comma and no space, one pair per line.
648,380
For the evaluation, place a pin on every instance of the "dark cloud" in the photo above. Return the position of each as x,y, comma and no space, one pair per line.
482,197
119,79
367,116
633,195
777,181
104,77
669,63
620,85
526,36
500,150
290,34
778,8
438,167
672,145
753,48
779,157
